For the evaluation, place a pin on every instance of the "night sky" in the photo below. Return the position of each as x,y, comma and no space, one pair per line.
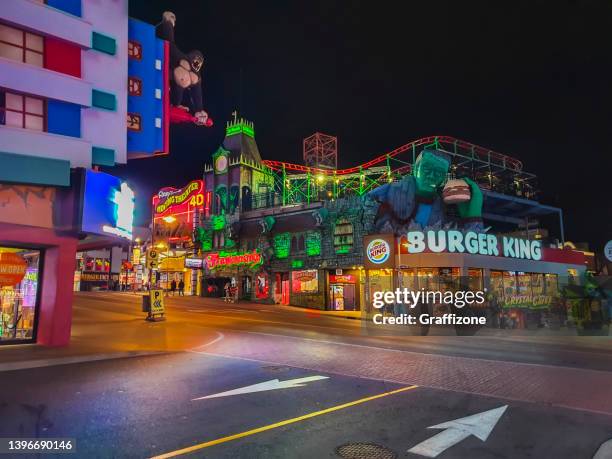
529,79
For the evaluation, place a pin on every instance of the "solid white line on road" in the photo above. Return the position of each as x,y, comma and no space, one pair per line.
219,337
273,384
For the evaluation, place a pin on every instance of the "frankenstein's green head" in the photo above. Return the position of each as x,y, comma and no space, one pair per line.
430,170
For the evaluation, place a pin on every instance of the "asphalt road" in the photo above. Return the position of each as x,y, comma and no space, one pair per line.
192,316
144,407
382,391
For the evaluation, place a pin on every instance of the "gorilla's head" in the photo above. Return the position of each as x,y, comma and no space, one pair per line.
170,17
196,59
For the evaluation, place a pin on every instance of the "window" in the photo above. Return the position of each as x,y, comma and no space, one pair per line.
22,111
134,50
134,86
21,46
19,294
343,236
134,122
294,244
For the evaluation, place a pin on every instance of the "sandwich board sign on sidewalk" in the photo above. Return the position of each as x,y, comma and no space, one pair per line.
156,308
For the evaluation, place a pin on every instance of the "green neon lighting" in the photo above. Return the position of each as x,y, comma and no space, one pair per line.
343,249
312,243
205,237
297,264
217,222
240,127
282,245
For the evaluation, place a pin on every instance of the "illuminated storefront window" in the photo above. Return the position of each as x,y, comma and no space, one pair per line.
306,281
19,285
381,280
475,281
449,279
496,286
428,278
551,284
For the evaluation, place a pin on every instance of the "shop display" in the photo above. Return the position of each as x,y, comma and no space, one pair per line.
19,285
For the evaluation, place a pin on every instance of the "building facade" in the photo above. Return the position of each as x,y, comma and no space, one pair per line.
299,235
63,110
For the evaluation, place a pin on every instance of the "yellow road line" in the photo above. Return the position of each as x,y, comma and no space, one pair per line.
218,441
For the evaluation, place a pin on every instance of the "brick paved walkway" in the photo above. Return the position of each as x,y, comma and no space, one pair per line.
565,387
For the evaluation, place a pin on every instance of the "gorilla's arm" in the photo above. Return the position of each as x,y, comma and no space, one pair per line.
165,31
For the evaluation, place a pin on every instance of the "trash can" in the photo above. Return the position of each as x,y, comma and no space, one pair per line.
146,303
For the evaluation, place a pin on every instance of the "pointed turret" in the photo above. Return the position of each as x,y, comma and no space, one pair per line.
240,139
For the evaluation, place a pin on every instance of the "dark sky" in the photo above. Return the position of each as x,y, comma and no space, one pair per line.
530,79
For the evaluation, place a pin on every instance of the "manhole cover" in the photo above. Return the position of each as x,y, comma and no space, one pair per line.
365,451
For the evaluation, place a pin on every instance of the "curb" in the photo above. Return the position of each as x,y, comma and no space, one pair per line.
41,363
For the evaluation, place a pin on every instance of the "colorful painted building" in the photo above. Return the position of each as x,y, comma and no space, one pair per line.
64,68
299,234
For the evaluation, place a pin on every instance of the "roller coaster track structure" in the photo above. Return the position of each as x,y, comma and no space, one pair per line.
296,183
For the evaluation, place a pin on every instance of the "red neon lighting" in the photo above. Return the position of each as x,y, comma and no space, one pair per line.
171,201
214,259
512,163
166,100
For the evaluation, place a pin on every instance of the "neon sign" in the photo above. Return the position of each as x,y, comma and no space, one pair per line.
473,243
173,201
123,212
216,260
108,205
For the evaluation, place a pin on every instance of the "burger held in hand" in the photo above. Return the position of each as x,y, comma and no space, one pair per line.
456,191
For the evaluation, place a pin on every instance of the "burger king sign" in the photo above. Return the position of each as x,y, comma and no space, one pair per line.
378,251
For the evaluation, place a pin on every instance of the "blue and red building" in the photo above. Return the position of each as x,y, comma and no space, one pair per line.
70,81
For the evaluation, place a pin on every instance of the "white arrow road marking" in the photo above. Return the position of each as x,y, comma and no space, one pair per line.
267,385
604,451
480,425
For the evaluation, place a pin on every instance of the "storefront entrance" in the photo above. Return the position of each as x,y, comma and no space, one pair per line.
214,286
342,294
19,294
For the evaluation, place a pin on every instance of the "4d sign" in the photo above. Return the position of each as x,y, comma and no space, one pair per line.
219,260
172,201
453,241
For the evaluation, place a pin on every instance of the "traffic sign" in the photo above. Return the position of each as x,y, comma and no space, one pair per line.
152,258
157,302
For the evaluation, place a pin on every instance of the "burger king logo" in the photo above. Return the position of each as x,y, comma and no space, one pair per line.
378,251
